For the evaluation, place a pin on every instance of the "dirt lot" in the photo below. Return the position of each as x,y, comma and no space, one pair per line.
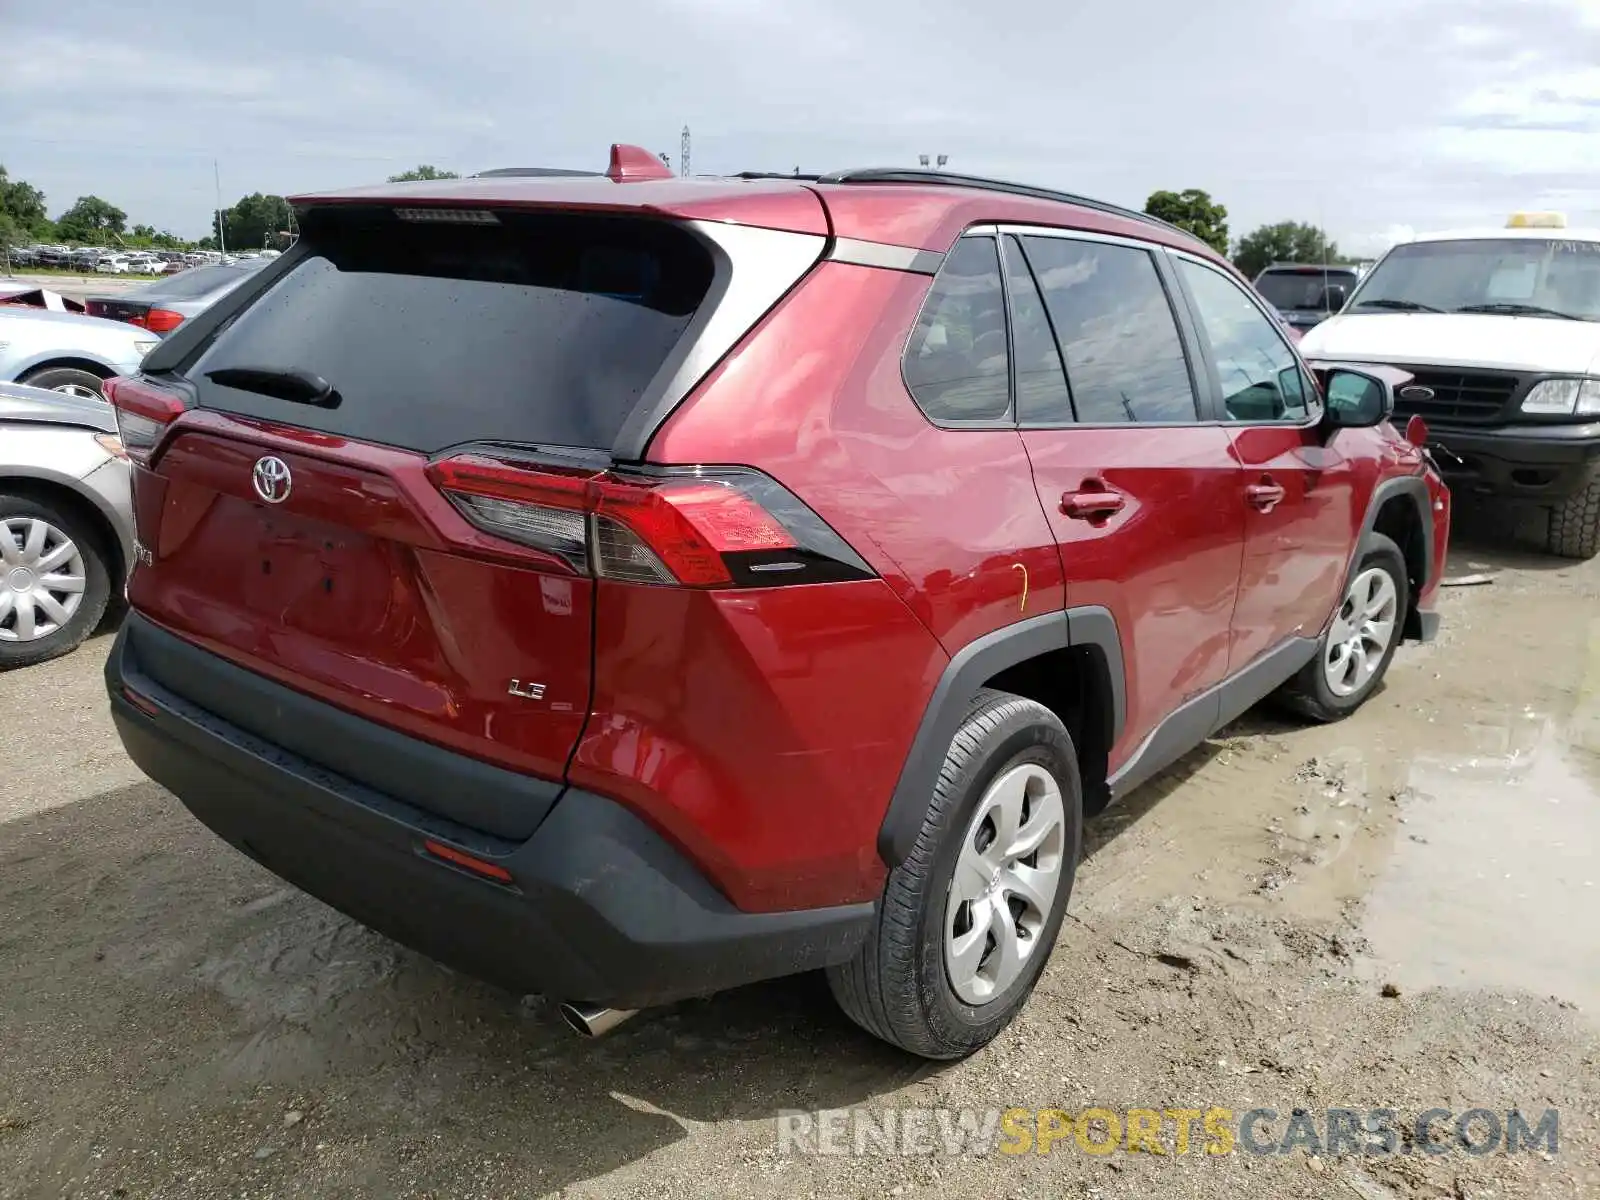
174,1022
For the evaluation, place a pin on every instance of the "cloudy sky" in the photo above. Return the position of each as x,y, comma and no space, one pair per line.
1366,116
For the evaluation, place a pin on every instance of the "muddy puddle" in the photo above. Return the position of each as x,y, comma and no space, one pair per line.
1449,837
1492,879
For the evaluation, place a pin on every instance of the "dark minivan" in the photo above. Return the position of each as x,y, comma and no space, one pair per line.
1306,294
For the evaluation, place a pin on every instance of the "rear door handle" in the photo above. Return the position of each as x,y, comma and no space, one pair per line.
1094,501
1265,495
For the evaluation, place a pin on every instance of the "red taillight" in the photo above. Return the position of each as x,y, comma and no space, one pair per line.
706,527
162,320
143,414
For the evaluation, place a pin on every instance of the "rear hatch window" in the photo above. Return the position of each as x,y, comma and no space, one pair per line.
496,326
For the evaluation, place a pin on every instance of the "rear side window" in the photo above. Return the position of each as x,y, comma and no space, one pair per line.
535,328
956,363
1116,330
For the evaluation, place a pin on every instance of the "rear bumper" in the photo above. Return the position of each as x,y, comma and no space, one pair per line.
600,908
1544,463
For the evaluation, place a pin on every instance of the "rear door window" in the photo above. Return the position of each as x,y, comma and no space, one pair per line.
1114,324
519,327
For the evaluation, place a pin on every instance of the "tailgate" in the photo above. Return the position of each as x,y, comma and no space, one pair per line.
353,592
298,531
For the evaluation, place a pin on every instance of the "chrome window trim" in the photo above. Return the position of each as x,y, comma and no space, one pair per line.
861,253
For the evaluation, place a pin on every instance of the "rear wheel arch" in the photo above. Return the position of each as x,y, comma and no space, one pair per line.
1068,661
67,363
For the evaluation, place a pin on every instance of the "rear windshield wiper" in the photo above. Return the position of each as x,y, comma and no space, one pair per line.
297,387
1520,310
1398,305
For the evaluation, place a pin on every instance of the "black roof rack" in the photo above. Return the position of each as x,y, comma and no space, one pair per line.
544,171
775,175
949,179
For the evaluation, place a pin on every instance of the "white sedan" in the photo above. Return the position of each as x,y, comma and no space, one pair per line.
66,352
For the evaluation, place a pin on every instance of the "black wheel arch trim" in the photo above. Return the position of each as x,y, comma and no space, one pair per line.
967,671
1416,488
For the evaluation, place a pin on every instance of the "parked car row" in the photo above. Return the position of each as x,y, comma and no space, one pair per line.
112,261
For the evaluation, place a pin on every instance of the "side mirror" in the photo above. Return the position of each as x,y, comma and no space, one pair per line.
1355,399
1334,297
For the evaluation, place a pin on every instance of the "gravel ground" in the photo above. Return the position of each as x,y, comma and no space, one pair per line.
1397,912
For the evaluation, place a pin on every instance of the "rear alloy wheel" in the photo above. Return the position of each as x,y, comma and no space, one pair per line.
54,584
968,920
1356,648
1575,525
69,380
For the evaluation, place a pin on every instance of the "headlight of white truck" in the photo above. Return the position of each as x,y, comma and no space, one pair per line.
1564,397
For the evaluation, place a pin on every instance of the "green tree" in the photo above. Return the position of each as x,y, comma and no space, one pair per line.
91,220
144,233
1287,242
425,171
254,222
23,203
1195,211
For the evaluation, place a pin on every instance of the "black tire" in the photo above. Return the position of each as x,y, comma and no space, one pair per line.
1308,693
1575,525
97,582
52,378
897,987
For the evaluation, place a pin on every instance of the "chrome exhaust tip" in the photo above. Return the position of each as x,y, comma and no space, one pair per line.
592,1021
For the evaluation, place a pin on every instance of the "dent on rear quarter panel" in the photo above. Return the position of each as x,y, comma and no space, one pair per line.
760,730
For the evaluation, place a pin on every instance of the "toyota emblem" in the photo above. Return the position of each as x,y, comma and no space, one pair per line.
272,479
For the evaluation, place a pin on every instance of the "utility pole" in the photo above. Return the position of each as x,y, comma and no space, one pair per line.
683,153
216,175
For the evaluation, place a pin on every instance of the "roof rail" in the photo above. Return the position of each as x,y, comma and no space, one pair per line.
775,175
543,171
949,179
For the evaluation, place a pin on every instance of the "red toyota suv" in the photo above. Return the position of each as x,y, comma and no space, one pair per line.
623,587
